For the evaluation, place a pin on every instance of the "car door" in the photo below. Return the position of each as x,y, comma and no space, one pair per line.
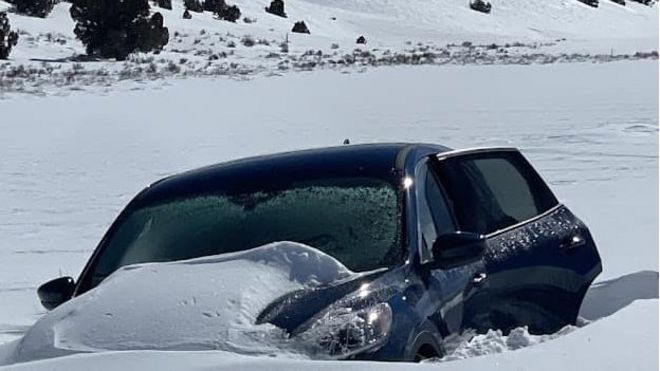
446,289
540,258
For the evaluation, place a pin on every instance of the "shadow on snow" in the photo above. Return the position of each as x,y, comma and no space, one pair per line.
608,297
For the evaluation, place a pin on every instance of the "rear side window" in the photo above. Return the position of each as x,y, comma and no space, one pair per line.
494,190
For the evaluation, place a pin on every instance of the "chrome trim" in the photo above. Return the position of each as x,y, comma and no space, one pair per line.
468,151
532,219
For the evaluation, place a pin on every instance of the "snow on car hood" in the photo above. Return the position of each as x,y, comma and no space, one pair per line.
200,304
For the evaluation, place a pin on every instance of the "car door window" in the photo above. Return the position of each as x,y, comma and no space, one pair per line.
434,214
492,191
435,198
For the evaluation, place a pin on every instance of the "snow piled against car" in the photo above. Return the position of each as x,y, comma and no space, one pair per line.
208,303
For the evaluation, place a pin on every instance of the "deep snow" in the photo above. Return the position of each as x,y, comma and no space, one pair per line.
209,303
591,130
70,161
590,348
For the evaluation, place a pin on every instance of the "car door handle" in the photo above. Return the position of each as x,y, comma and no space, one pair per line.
479,278
572,242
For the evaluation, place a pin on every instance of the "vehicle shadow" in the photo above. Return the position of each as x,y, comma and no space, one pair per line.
606,298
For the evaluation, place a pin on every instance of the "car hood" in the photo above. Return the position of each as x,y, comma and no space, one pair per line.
236,302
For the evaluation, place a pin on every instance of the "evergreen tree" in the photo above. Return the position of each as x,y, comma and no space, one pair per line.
193,6
213,5
34,8
165,4
229,13
225,12
116,28
8,38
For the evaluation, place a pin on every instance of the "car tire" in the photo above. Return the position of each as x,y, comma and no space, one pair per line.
426,351
425,347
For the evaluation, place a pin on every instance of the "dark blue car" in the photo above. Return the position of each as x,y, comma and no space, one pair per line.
450,242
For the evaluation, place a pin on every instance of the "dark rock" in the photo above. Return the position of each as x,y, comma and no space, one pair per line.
277,8
300,27
482,6
591,3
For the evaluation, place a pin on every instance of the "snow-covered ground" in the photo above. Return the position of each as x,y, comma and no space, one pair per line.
601,346
72,155
70,163
397,32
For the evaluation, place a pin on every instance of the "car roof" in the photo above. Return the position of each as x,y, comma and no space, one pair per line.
375,160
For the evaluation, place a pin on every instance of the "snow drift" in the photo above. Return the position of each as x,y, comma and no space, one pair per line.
589,348
208,303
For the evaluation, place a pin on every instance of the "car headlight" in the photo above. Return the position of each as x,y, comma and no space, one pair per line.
342,332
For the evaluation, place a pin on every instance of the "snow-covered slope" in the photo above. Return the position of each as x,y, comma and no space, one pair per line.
397,32
392,22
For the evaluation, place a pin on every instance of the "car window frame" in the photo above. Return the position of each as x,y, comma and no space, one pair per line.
424,168
530,168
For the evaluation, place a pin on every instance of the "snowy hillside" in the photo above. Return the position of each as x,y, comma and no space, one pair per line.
396,32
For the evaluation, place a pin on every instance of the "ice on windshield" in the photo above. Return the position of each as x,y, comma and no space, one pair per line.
353,220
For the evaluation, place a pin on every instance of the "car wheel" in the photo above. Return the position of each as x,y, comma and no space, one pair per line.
425,345
424,352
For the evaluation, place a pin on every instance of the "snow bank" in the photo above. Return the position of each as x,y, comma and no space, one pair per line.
495,342
209,303
589,348
604,299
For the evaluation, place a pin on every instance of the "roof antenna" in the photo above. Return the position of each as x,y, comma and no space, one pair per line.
347,141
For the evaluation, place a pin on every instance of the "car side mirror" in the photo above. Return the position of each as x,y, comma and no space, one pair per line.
55,292
452,250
